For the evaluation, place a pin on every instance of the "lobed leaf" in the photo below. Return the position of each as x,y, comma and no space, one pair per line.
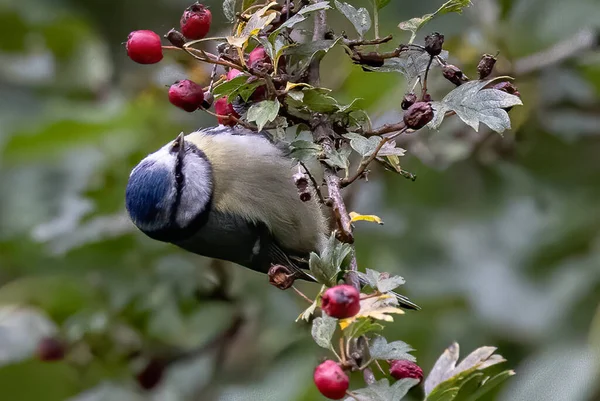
360,18
411,63
383,282
263,112
378,308
361,327
475,105
323,329
382,391
229,9
414,24
381,349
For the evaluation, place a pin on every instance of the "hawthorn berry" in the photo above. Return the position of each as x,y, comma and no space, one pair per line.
195,21
433,43
223,108
408,100
453,74
144,47
186,95
418,115
486,65
341,301
403,369
257,57
331,380
232,73
50,349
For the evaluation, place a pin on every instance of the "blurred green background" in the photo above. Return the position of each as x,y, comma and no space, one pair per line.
498,238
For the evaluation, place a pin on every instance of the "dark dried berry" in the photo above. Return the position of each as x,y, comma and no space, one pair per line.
427,97
50,349
433,43
152,374
186,95
176,38
418,115
305,196
341,301
331,380
281,277
408,100
195,21
453,74
486,65
144,47
404,369
224,109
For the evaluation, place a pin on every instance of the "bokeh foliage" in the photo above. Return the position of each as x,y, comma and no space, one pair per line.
498,238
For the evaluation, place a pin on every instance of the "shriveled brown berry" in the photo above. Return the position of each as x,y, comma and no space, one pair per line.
187,95
408,100
144,47
195,21
486,65
281,277
50,349
224,109
176,38
453,74
433,43
418,115
341,301
331,380
151,375
404,369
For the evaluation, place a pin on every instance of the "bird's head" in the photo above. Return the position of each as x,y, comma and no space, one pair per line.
170,190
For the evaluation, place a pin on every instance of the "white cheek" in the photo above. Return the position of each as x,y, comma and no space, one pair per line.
197,191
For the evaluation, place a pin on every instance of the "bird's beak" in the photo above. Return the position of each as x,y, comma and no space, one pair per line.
179,144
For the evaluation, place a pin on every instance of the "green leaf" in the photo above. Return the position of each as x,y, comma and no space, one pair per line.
475,105
323,329
363,146
238,86
338,158
247,3
414,24
21,329
361,327
489,384
381,349
301,15
319,102
229,9
360,18
447,395
382,391
382,3
334,258
305,150
383,282
263,112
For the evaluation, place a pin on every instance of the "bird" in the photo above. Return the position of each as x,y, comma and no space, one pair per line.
228,193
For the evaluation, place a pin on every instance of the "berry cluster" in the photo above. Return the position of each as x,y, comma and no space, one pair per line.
144,47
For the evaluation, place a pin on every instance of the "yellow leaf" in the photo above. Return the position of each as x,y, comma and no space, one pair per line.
367,217
258,21
289,86
380,308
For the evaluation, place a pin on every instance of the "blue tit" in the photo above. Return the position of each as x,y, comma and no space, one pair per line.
228,193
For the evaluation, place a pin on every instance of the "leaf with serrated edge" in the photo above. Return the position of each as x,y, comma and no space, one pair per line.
474,359
473,105
414,24
381,349
360,18
301,15
382,391
229,9
363,146
445,363
255,24
362,217
379,308
390,149
448,395
323,272
361,327
263,112
390,283
411,63
370,277
323,329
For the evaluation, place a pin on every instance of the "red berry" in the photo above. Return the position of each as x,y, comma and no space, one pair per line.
341,301
186,95
223,108
195,21
258,55
232,74
402,369
144,47
50,349
331,380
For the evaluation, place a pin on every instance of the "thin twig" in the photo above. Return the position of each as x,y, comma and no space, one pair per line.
314,182
425,77
364,164
367,42
302,295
